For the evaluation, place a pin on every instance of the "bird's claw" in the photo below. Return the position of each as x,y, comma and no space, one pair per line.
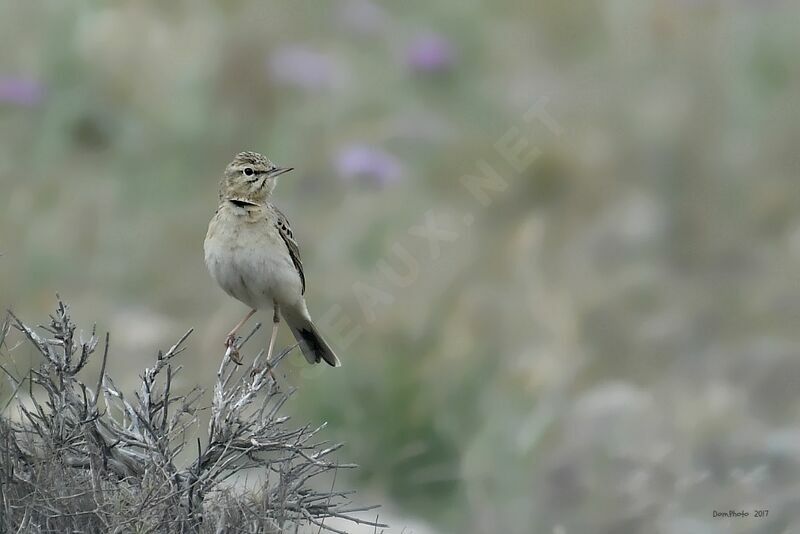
232,351
258,370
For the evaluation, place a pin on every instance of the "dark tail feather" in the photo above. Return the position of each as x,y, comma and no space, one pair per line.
314,347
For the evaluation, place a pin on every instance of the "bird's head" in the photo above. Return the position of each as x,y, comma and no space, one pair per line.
250,178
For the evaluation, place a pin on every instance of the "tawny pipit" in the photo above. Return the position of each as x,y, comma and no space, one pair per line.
252,255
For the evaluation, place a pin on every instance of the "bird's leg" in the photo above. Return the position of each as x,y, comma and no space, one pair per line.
230,339
275,320
232,334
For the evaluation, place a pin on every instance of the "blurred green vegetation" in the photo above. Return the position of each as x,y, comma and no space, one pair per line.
610,347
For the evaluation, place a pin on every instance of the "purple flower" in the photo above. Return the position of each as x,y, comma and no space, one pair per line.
430,53
367,164
304,68
23,92
362,16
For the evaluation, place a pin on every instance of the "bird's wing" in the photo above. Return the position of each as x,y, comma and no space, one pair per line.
282,223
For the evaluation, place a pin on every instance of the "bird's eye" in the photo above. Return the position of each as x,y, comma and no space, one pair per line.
248,171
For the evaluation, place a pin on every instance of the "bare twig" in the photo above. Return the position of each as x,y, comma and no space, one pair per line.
74,467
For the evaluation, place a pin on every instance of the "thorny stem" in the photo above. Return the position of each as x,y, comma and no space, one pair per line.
130,447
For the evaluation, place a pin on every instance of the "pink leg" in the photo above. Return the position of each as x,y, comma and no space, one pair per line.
230,339
275,320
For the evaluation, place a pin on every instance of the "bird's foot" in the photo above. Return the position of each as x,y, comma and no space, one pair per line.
232,351
258,370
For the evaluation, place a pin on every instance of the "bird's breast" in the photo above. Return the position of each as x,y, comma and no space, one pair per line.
249,260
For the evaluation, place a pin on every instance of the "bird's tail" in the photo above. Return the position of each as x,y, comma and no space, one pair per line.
314,347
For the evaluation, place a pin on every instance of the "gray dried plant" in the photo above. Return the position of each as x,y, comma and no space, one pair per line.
90,458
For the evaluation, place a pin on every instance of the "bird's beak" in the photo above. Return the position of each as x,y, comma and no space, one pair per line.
280,170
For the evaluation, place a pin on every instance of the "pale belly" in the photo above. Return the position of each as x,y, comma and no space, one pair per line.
251,263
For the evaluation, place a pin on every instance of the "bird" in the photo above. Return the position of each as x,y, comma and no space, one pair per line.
251,253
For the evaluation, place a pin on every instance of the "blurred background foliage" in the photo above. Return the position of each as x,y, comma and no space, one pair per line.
612,346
